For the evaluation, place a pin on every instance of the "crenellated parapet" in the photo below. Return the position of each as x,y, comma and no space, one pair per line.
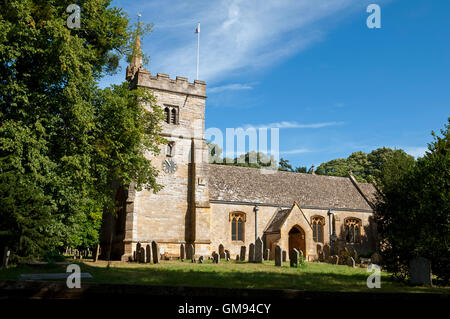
162,82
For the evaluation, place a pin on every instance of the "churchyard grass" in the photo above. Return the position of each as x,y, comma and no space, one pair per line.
231,274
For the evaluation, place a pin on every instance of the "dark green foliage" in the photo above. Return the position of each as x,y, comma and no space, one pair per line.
365,167
62,140
413,209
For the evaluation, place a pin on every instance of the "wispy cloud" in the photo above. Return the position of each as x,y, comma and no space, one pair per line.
230,87
236,35
286,124
296,151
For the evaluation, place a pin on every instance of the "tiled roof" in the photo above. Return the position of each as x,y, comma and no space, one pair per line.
278,220
242,184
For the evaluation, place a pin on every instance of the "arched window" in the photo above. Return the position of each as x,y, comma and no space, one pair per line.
237,220
169,151
317,223
173,116
352,230
167,114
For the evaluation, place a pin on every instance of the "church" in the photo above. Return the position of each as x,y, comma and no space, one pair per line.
218,207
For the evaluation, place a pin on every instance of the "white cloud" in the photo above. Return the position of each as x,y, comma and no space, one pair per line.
296,151
236,35
286,124
230,87
416,151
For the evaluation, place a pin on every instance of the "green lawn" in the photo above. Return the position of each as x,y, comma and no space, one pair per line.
312,276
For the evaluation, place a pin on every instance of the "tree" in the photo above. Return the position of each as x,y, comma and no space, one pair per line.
62,141
412,209
285,166
365,167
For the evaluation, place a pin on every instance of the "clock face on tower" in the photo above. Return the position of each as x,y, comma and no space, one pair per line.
169,166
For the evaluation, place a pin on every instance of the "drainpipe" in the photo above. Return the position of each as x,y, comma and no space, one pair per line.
256,221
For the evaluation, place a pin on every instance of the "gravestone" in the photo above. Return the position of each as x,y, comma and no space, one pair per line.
294,257
189,251
301,258
334,259
134,255
258,250
320,255
251,253
284,256
6,254
216,258
243,253
138,252
326,253
266,254
221,251
420,271
148,254
227,255
142,255
193,260
278,256
351,262
200,260
182,252
155,252
237,257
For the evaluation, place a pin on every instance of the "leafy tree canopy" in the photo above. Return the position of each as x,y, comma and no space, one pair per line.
62,139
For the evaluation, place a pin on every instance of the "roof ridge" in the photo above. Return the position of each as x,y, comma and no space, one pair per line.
281,172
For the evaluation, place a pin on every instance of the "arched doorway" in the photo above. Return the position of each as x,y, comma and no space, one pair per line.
297,239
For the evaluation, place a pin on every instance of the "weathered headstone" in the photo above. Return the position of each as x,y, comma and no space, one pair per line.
221,251
227,255
193,260
284,256
134,255
251,253
216,258
148,254
320,255
243,253
351,262
6,254
155,252
294,257
258,250
182,252
420,271
237,257
278,256
266,254
200,260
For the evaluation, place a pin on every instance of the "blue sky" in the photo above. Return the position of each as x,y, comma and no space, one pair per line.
311,68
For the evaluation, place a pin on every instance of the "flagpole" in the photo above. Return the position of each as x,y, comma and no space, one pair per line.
198,47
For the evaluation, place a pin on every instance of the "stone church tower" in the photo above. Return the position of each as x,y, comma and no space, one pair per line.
179,213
